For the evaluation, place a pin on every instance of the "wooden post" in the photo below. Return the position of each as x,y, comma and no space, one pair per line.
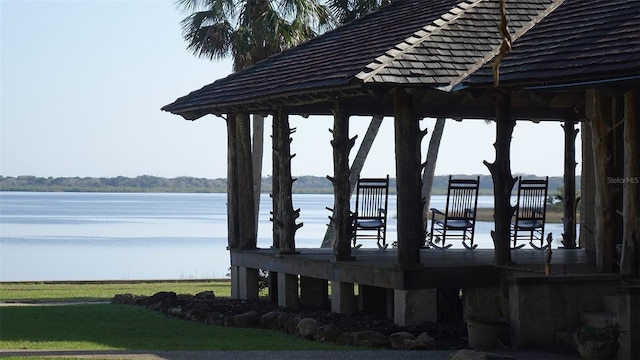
408,182
630,261
232,184
587,189
284,217
246,215
503,181
569,199
602,132
342,219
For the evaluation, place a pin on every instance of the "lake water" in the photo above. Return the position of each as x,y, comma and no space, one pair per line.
132,236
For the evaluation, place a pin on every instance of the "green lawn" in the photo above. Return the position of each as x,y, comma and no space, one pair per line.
82,291
111,327
118,327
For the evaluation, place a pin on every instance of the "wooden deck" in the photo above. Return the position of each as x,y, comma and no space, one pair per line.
451,268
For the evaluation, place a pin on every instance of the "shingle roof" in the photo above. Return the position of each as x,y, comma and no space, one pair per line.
456,44
580,41
410,42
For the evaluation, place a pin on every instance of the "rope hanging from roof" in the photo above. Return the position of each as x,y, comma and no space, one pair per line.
505,47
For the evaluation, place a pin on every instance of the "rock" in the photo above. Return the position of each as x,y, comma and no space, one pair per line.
247,319
269,320
197,315
328,333
206,295
402,341
176,312
424,341
125,299
346,338
283,319
228,320
371,338
196,306
161,301
307,328
292,325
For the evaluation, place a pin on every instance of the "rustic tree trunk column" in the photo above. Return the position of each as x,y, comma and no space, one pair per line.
246,208
630,262
503,181
342,219
602,131
284,217
409,185
569,199
232,184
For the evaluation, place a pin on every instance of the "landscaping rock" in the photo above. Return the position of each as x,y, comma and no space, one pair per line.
307,328
292,325
424,341
402,340
328,333
205,295
125,299
269,320
247,319
371,338
161,301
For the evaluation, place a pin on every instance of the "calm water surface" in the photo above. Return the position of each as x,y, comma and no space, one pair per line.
129,236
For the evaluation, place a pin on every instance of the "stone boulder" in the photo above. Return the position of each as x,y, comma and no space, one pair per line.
125,299
328,333
308,327
402,341
371,338
161,301
247,319
424,341
269,320
292,325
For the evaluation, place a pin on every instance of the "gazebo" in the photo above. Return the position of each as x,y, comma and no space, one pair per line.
570,61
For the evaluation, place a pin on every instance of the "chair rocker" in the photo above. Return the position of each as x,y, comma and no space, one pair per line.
458,221
529,218
370,217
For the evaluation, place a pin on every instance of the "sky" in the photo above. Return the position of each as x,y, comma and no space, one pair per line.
82,84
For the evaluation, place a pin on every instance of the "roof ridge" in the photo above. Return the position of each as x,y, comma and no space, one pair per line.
417,38
523,30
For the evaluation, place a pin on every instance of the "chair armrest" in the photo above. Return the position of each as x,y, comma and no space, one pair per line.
435,212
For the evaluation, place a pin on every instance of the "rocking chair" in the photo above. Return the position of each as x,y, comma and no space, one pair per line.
370,217
528,220
458,221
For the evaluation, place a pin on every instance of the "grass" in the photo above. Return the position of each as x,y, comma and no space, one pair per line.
123,327
120,327
95,291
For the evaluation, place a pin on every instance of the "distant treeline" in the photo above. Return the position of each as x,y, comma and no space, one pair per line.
147,183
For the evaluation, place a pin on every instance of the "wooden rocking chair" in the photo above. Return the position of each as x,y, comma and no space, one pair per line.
531,208
458,221
370,217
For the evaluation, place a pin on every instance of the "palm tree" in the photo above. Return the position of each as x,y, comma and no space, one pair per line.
250,31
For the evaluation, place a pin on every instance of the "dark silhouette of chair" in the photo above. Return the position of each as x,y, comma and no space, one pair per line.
370,217
458,221
531,208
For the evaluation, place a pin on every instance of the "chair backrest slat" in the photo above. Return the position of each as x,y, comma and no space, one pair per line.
372,195
532,199
462,198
